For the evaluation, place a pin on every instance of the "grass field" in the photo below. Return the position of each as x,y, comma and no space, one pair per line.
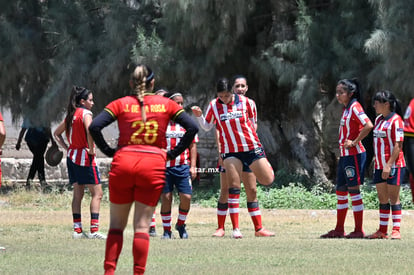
37,237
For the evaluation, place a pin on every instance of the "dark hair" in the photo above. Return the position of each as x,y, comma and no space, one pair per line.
387,96
351,86
223,85
237,76
141,79
76,95
171,95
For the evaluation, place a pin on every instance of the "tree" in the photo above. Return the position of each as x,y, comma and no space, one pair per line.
48,46
390,46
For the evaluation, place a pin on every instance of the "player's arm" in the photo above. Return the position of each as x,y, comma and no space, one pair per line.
58,135
95,129
86,123
191,130
193,160
19,139
201,119
2,133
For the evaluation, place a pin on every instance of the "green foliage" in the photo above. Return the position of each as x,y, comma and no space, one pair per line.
48,46
390,45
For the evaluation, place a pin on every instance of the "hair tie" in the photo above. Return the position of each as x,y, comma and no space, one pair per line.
150,77
174,95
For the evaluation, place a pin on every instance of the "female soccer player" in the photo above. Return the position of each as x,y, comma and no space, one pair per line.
354,126
409,142
180,172
137,174
389,162
240,87
239,144
80,160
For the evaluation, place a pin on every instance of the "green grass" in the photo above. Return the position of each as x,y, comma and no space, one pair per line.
36,230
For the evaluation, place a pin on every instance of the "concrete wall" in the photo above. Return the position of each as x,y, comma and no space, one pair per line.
16,164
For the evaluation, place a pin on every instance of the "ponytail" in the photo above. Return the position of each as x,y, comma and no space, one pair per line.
141,81
387,96
76,95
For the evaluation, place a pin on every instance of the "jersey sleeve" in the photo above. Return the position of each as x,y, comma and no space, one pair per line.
210,113
360,114
399,130
113,108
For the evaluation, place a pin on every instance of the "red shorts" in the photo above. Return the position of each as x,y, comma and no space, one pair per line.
137,176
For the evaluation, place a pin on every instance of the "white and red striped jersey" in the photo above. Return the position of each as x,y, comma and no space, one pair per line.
77,139
352,121
387,131
173,134
234,123
409,120
254,109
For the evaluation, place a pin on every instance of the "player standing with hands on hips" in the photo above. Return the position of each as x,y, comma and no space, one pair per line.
137,174
233,116
354,126
389,162
80,160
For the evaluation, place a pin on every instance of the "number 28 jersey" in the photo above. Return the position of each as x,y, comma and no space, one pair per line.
132,130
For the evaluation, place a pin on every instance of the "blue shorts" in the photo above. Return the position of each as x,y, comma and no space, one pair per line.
82,174
396,176
350,171
180,177
247,158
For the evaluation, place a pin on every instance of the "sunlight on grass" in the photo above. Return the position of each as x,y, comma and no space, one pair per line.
36,231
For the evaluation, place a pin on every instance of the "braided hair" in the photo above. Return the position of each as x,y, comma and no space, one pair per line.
141,79
76,95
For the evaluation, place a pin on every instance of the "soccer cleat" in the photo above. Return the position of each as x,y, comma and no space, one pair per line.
152,232
333,234
264,233
355,235
97,235
395,235
81,235
181,231
377,235
167,235
236,234
219,233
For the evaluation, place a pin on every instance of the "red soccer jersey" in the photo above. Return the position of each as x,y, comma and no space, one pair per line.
233,121
387,132
409,120
352,121
1,117
132,130
77,139
174,134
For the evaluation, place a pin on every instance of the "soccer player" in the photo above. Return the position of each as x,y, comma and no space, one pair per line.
80,161
137,174
354,126
409,142
240,146
248,178
180,172
389,162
